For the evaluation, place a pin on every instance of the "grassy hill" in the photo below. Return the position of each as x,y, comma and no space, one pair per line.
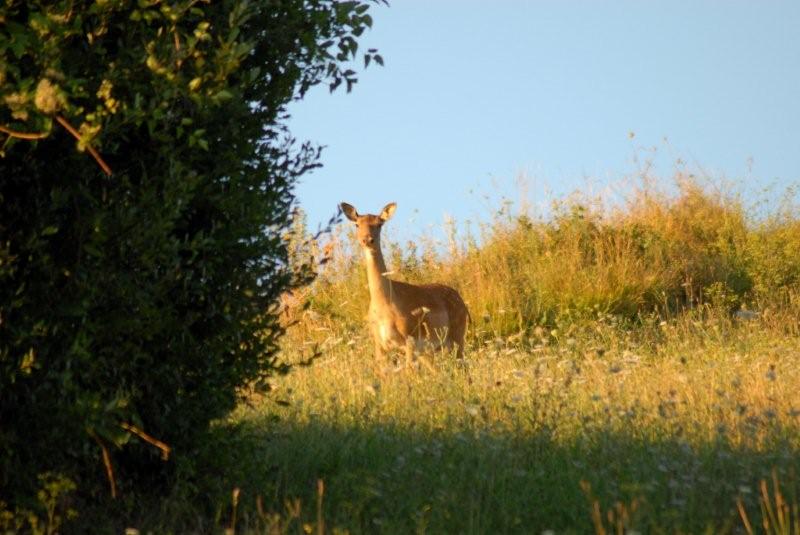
630,369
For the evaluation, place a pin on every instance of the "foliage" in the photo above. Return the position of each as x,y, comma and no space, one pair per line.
52,514
774,247
655,253
145,183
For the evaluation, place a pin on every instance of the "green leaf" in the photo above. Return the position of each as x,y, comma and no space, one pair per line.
92,250
223,95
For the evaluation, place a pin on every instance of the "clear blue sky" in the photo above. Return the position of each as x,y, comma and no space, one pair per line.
479,91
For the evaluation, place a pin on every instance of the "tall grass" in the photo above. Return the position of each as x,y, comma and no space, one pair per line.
672,426
612,383
655,253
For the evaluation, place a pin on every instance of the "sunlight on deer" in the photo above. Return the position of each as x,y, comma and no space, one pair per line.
402,314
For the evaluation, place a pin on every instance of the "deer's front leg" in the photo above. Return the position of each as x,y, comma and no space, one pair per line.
380,354
374,329
410,346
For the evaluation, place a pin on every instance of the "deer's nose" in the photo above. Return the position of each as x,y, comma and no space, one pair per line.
367,241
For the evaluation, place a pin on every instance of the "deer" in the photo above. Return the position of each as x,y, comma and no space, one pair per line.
409,316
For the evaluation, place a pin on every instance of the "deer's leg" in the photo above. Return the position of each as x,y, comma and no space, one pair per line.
380,354
457,334
410,344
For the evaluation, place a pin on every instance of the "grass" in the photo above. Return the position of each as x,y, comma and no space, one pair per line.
617,380
653,252
511,441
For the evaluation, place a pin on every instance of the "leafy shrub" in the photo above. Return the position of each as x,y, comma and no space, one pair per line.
145,184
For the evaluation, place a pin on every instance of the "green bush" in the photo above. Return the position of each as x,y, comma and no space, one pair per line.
145,184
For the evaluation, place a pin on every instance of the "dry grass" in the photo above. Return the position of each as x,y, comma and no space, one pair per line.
617,380
682,421
654,253
610,385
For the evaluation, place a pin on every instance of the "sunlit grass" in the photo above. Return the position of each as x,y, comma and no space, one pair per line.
681,418
630,369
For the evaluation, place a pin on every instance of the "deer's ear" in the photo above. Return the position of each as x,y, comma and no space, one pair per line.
349,211
388,211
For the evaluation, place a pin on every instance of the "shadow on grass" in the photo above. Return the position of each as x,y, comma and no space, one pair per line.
382,478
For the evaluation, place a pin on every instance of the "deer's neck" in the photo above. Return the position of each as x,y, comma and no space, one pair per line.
379,285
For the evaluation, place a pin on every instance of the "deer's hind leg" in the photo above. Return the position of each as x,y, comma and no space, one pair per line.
457,334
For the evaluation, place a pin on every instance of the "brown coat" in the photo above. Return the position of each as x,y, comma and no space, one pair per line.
403,314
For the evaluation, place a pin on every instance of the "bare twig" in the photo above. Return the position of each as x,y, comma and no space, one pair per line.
23,135
165,450
177,40
109,467
69,128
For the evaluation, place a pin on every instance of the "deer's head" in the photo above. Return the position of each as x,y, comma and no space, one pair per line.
368,226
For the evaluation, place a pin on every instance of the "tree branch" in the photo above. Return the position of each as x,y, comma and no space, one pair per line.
109,467
165,450
69,128
23,135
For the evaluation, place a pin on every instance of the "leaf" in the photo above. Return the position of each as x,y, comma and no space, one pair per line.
379,59
19,39
49,231
223,95
92,250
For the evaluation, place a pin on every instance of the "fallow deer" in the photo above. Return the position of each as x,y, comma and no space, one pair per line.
403,314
